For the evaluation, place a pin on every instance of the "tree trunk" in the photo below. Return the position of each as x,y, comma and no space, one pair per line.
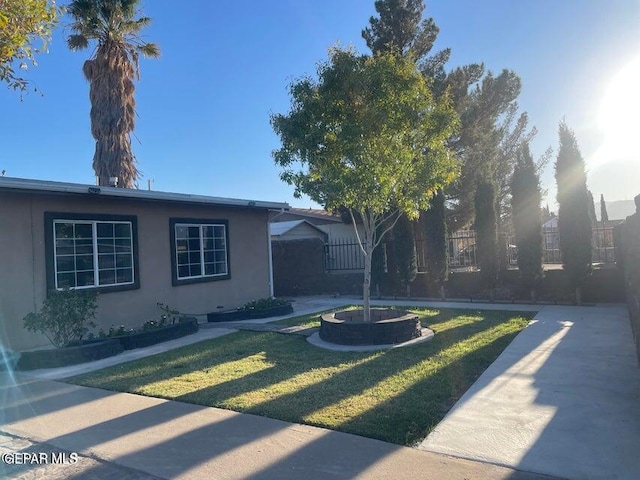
408,291
578,296
366,287
442,295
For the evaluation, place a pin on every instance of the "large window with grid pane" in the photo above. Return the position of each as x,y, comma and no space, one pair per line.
200,250
87,251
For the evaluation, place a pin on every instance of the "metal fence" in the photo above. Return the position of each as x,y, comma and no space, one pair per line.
344,255
340,255
603,248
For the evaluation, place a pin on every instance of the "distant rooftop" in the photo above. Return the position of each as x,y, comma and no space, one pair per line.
315,212
45,186
280,228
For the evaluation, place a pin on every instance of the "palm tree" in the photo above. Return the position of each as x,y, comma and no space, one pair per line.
111,71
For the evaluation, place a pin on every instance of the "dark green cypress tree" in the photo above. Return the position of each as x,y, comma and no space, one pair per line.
435,225
486,233
405,249
592,210
379,265
604,216
527,219
574,224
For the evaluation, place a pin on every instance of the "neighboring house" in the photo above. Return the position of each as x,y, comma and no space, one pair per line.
331,224
296,230
135,247
342,252
312,215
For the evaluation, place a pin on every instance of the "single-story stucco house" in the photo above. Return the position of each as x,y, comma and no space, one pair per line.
195,253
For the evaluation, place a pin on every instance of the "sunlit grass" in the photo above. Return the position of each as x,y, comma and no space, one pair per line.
397,395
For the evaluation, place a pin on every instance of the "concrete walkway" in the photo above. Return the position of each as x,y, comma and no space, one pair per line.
561,400
208,331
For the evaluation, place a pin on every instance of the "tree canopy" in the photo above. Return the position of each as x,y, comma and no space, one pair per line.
368,135
491,130
25,29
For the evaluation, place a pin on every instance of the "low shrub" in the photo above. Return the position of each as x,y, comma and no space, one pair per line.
169,317
65,316
263,304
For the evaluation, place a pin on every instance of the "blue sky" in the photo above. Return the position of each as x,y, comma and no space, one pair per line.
204,106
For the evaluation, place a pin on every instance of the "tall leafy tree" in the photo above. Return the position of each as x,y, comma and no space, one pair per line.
486,232
604,216
574,224
490,130
370,136
25,29
405,250
527,220
111,71
435,225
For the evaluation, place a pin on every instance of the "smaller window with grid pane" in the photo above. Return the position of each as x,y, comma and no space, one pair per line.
200,250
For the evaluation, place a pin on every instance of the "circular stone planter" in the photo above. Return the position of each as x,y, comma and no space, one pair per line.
387,327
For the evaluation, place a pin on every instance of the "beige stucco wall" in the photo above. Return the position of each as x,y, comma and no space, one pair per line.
23,271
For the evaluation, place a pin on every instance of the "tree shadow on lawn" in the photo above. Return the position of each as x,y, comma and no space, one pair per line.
366,373
201,356
289,356
299,381
409,416
390,399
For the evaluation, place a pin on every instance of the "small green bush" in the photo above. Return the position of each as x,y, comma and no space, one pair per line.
263,304
170,315
65,316
114,332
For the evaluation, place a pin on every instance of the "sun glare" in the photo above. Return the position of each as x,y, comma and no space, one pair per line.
619,116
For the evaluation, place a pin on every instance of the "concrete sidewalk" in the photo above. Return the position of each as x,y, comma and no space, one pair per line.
173,440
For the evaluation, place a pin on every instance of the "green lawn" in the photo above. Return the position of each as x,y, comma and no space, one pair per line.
396,395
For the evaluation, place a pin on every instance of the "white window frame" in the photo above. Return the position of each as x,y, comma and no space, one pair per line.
94,238
201,227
